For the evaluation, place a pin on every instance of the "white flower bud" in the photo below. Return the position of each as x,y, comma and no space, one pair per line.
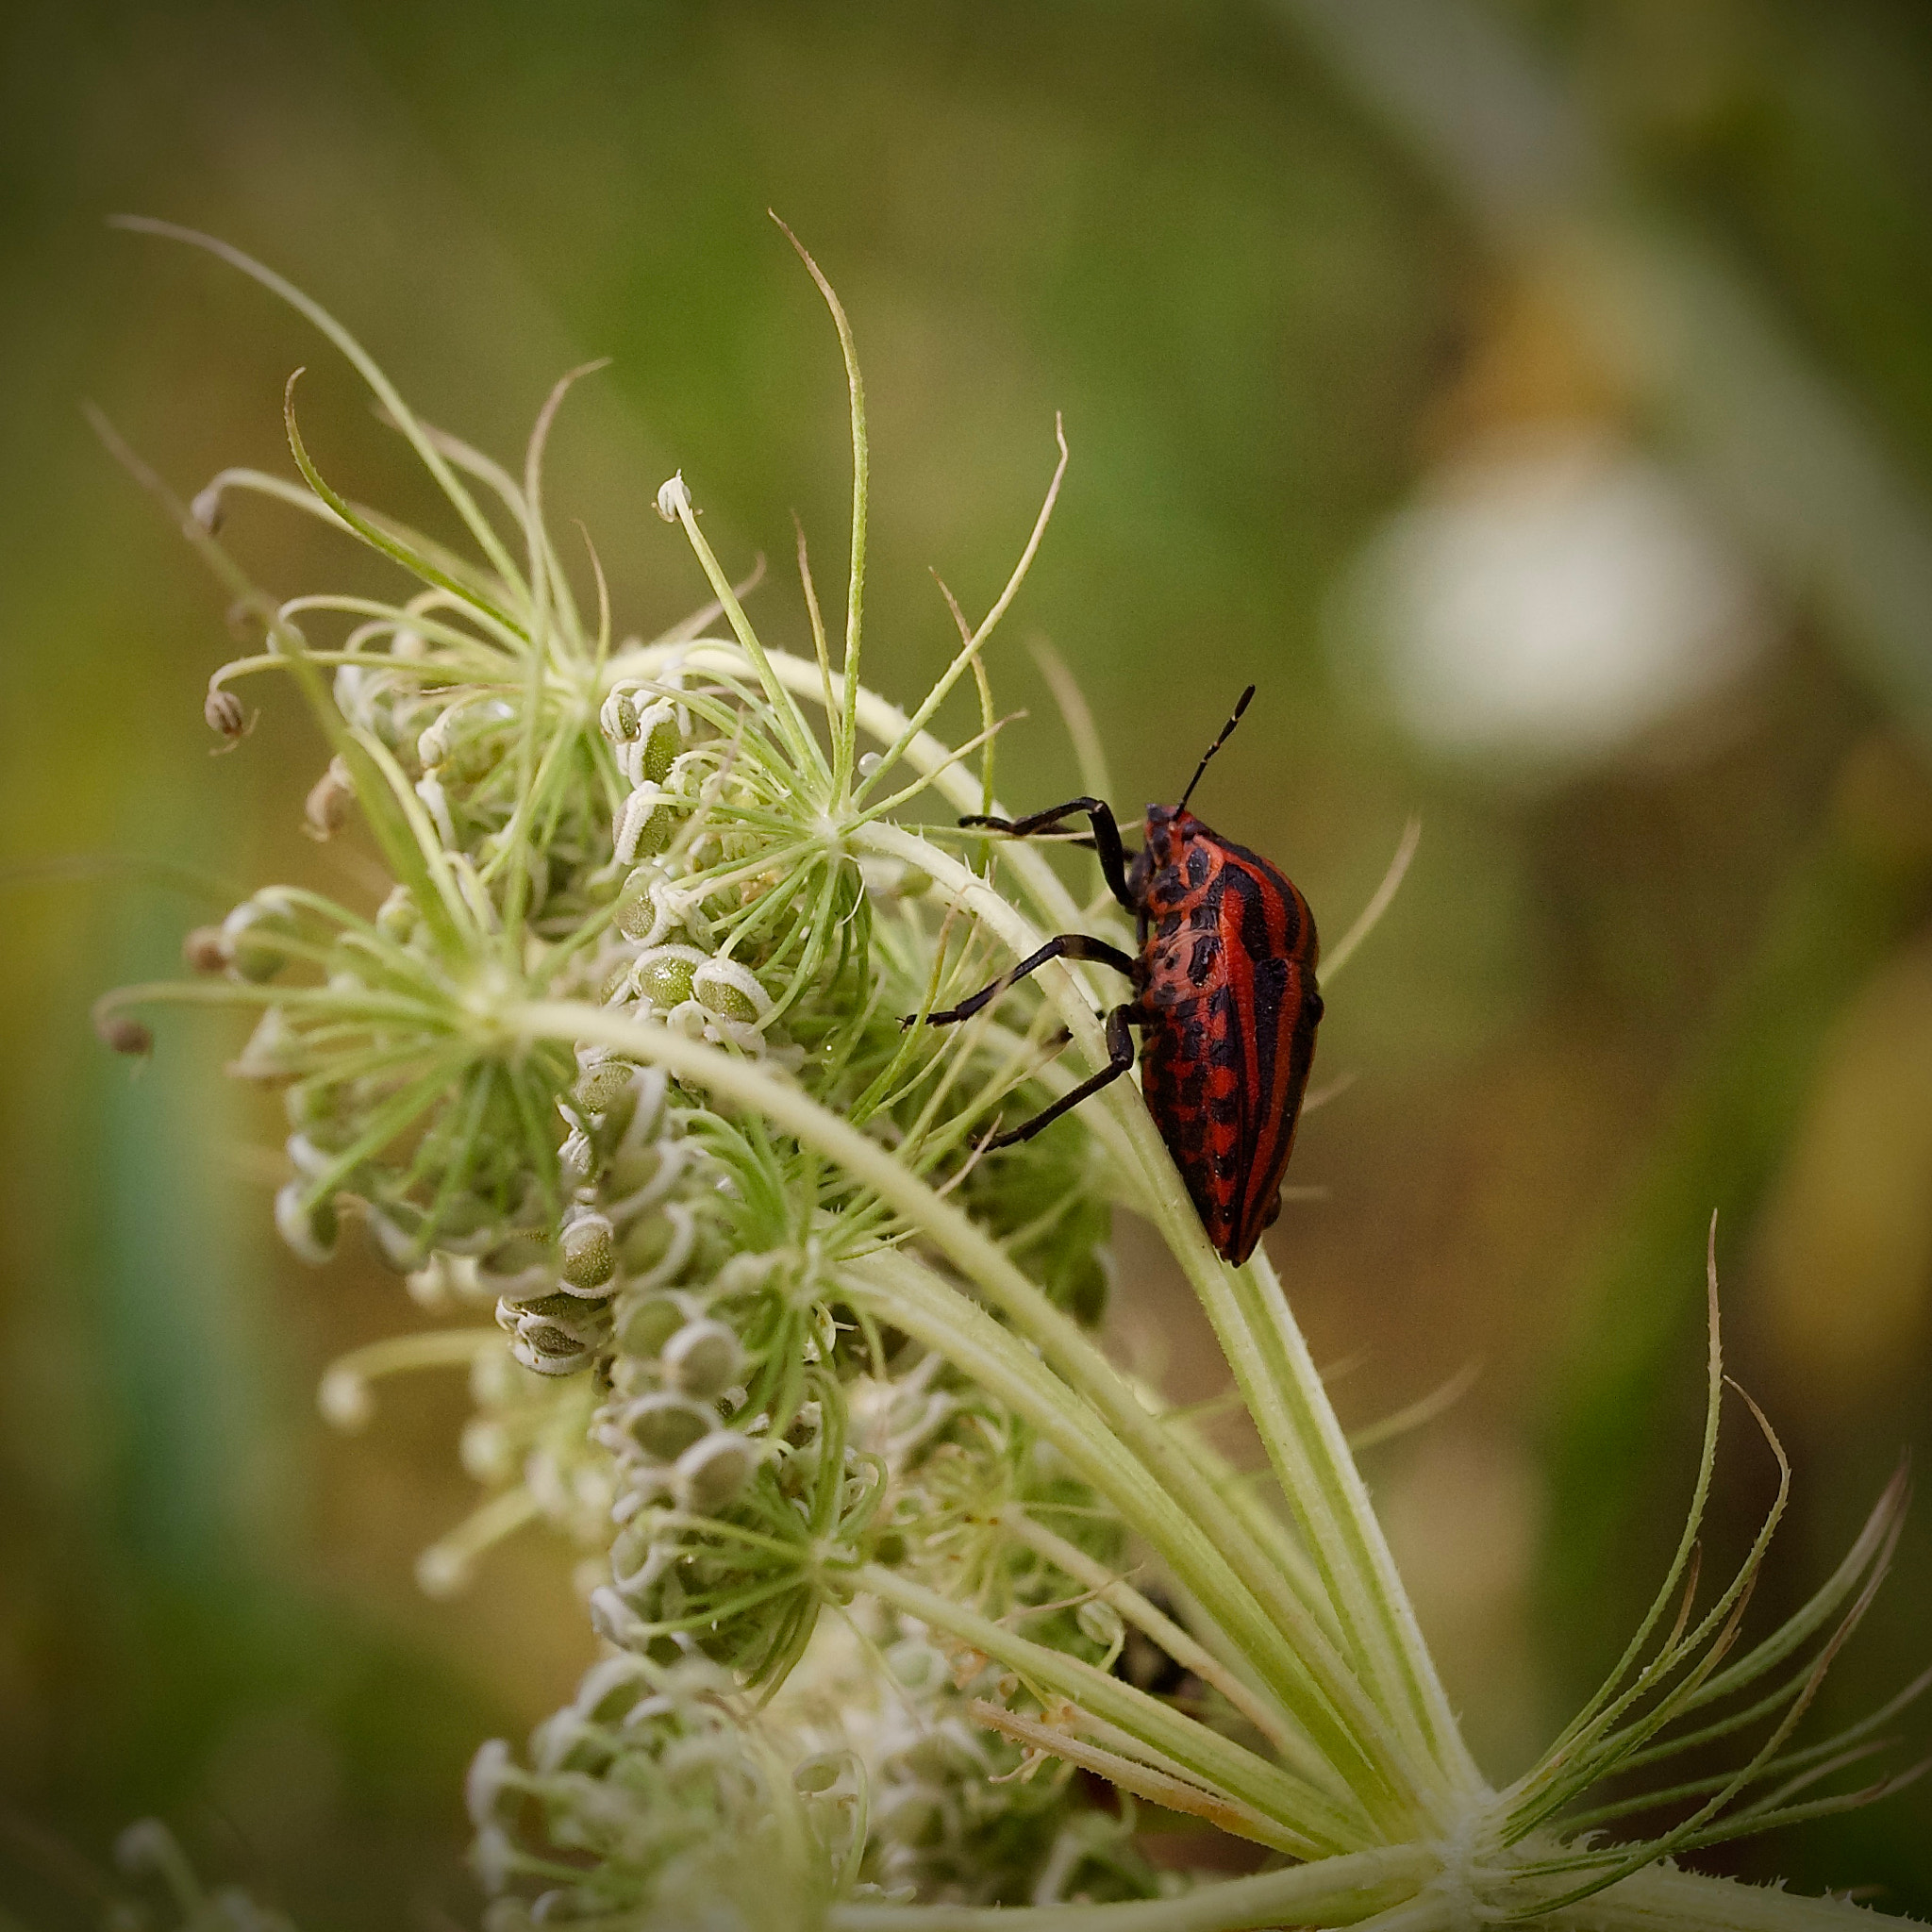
491,1776
673,498
486,1451
326,810
123,1033
617,716
441,1570
206,950
344,1399
147,1845
309,1230
226,714
430,791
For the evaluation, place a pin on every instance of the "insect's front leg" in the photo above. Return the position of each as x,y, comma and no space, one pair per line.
1120,1057
1066,945
1107,838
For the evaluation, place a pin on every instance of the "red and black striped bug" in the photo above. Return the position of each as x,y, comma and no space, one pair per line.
1224,995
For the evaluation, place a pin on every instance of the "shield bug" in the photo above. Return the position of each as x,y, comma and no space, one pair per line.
1224,995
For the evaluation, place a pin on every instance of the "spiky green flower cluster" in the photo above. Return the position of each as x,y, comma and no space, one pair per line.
879,1542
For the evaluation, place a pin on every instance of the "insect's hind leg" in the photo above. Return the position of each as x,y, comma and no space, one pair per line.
1066,945
1120,1057
1107,838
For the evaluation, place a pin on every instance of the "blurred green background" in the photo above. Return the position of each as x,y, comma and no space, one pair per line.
1536,400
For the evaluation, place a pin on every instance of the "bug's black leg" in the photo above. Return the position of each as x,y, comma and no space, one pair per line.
1106,836
1120,1057
1068,945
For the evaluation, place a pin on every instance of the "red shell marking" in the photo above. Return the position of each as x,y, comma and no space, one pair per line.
1226,986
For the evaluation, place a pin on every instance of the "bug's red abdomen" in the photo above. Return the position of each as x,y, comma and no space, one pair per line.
1227,987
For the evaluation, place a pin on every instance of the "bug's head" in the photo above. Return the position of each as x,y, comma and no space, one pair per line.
1165,827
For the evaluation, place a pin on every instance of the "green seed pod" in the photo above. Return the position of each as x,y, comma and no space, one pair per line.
588,1246
658,728
725,988
637,911
600,1087
702,1359
647,1324
664,1426
711,1473
642,823
631,1170
646,1241
819,1773
663,975
549,1349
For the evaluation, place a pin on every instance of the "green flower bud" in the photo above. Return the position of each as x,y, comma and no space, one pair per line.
1100,1622
396,918
618,718
703,1359
664,1426
646,1241
711,1473
549,1348
588,1246
819,1773
631,1170
254,932
637,911
647,1324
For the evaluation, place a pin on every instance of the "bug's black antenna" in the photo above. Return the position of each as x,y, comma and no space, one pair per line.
1226,732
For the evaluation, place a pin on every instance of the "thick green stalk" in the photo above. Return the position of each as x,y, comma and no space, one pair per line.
1318,1685
1331,1892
